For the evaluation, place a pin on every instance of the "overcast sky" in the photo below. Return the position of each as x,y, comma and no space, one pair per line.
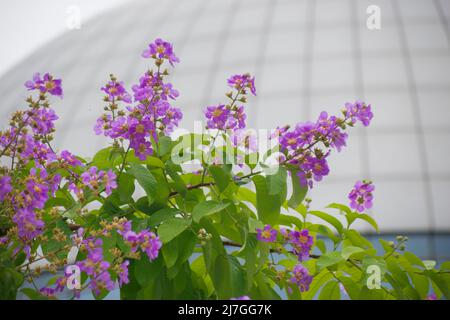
26,25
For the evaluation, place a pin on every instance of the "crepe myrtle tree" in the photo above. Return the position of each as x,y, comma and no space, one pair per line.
218,224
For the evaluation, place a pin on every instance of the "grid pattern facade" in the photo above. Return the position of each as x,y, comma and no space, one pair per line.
307,56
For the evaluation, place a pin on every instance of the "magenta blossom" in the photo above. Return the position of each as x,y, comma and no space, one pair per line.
116,92
241,298
45,84
42,120
301,277
242,82
93,178
268,234
5,186
67,158
301,242
359,111
123,274
160,49
361,196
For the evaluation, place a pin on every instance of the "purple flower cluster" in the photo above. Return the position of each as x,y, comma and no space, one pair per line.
361,195
224,117
60,285
42,120
95,266
301,147
243,82
160,50
67,159
94,178
359,111
146,240
152,113
5,186
45,84
301,242
38,186
267,234
301,277
115,91
231,116
123,273
241,298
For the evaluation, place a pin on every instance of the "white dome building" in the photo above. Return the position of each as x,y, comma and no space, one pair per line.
307,56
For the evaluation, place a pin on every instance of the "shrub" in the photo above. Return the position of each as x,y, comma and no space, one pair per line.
198,216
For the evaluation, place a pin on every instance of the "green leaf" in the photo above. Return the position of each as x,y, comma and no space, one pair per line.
277,182
102,158
369,219
330,291
125,188
165,144
298,191
340,207
351,288
179,184
287,220
172,228
268,206
413,259
145,271
146,180
358,240
329,259
330,219
160,216
246,194
170,253
348,251
33,294
207,208
221,176
318,281
429,264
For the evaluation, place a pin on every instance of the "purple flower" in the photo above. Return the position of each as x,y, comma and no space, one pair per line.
67,158
361,196
116,92
102,281
160,49
268,234
217,117
45,84
301,242
169,92
241,298
93,178
28,225
224,118
42,120
245,139
48,292
359,111
242,82
123,274
5,186
103,125
328,127
146,240
432,297
150,244
301,277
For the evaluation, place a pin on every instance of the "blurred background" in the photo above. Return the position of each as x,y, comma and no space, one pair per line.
307,56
